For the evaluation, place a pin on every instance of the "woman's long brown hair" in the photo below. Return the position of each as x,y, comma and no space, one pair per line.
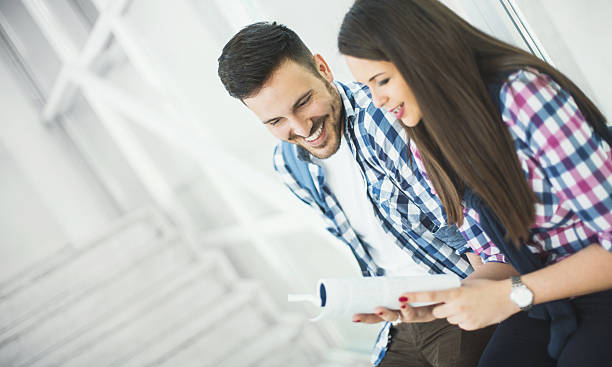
461,137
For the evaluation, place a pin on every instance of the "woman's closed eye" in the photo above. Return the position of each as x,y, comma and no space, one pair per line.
383,82
273,122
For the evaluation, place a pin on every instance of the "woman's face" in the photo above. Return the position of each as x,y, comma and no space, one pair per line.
389,90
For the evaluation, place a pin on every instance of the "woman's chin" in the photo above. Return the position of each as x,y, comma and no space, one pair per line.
410,122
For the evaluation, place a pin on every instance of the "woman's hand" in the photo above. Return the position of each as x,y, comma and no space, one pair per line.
474,305
405,313
481,302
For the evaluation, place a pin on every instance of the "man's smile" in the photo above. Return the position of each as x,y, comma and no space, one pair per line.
317,138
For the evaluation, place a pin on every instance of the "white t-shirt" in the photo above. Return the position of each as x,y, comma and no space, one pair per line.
347,183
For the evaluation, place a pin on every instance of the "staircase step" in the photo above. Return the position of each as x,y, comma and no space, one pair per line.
278,337
238,329
298,353
144,315
207,321
31,274
134,297
342,357
66,280
167,316
77,318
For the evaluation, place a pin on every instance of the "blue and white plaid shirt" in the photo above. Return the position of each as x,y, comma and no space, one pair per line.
401,197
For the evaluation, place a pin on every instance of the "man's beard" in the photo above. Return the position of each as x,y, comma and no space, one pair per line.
336,121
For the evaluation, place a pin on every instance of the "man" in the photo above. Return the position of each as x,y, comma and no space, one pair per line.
350,160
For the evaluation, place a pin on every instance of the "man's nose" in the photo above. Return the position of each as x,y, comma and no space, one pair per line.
301,127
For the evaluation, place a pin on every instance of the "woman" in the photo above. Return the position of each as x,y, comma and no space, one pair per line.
516,152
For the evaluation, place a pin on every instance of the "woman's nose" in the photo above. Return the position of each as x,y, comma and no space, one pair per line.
379,100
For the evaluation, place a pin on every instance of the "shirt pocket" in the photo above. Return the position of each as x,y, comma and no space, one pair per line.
453,238
397,207
406,215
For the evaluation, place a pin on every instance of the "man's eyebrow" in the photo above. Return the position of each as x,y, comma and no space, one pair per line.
374,77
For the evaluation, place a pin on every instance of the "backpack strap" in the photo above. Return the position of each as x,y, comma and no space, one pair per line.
301,173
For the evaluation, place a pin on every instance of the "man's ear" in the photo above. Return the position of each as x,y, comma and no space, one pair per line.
323,68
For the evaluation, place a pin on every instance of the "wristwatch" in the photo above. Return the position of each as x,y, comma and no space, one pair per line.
520,294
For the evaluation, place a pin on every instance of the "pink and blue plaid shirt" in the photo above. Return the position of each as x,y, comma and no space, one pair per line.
567,165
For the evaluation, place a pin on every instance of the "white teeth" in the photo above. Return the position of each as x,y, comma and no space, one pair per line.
316,134
396,109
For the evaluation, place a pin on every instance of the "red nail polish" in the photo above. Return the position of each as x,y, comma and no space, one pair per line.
380,314
356,320
403,299
403,306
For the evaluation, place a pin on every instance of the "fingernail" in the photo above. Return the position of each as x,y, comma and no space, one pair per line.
403,306
403,299
380,314
356,320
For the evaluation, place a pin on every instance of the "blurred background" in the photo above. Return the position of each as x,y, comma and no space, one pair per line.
140,220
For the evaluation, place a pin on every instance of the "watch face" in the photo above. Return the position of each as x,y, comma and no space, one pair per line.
521,296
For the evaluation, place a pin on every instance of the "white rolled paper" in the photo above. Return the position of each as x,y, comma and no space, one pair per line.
342,297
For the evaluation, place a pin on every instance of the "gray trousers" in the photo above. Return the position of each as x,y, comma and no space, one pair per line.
435,344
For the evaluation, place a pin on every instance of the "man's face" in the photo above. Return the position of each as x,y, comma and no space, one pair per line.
301,108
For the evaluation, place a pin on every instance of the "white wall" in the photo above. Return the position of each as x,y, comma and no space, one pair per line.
577,36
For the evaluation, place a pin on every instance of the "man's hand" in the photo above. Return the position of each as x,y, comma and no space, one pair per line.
404,314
